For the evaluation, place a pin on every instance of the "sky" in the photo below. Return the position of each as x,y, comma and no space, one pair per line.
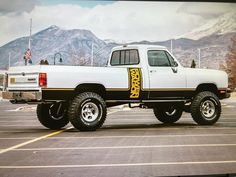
121,21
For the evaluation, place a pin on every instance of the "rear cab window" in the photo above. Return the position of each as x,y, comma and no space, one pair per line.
125,57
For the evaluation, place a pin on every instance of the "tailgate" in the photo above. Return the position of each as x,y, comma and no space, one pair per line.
22,81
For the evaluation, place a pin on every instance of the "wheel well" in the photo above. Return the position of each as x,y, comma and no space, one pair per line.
207,87
96,88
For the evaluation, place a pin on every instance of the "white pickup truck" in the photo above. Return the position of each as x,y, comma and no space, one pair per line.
144,74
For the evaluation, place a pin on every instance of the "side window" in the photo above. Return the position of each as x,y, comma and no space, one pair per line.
125,57
115,58
158,58
171,59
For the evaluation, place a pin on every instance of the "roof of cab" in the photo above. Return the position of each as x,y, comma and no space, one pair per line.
139,46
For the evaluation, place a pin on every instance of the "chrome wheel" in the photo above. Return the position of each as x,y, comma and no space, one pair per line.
90,112
53,116
208,109
168,113
87,111
205,108
171,112
57,111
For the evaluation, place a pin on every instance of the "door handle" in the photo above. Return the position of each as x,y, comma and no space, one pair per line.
153,71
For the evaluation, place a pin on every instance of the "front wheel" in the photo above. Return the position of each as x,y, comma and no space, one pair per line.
205,108
87,112
168,114
53,116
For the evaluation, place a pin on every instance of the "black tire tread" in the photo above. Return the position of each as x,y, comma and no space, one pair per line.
195,113
46,120
74,106
162,117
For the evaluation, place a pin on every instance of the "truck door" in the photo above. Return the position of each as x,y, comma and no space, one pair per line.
166,78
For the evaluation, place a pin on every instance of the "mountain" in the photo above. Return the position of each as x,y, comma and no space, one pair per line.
222,25
75,47
213,49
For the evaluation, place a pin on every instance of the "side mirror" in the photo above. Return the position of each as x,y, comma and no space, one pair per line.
174,67
175,64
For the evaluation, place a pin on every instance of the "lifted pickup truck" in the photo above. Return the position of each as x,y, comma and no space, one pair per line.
144,74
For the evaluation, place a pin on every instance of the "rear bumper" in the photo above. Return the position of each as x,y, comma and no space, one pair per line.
22,96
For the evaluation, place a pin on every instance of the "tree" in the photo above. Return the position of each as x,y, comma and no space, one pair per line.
231,63
44,62
193,65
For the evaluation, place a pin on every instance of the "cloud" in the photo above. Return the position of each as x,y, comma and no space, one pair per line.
121,21
17,6
207,10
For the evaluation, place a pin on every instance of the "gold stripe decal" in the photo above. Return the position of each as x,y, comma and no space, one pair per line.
62,89
135,82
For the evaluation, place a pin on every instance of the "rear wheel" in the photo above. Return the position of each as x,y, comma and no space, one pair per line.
206,108
53,116
168,114
87,111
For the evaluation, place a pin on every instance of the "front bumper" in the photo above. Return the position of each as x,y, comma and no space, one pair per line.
22,96
225,93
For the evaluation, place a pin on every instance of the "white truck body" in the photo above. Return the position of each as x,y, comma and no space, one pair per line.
143,74
117,78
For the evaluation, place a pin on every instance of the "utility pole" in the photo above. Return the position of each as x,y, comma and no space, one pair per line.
171,45
199,58
30,33
92,55
28,51
9,60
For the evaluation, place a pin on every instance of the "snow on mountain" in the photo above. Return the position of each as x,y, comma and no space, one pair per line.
121,42
222,25
75,47
111,41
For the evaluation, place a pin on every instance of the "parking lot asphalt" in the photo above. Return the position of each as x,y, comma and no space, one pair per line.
131,143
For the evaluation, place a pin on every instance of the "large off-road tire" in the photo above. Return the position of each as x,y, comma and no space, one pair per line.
168,114
87,111
53,116
205,108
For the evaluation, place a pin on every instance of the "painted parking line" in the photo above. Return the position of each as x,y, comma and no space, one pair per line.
40,138
127,147
120,122
146,136
228,114
34,140
121,165
110,127
17,121
21,125
151,121
120,119
152,115
125,136
18,138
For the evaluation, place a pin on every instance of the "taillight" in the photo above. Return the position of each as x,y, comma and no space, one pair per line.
42,79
